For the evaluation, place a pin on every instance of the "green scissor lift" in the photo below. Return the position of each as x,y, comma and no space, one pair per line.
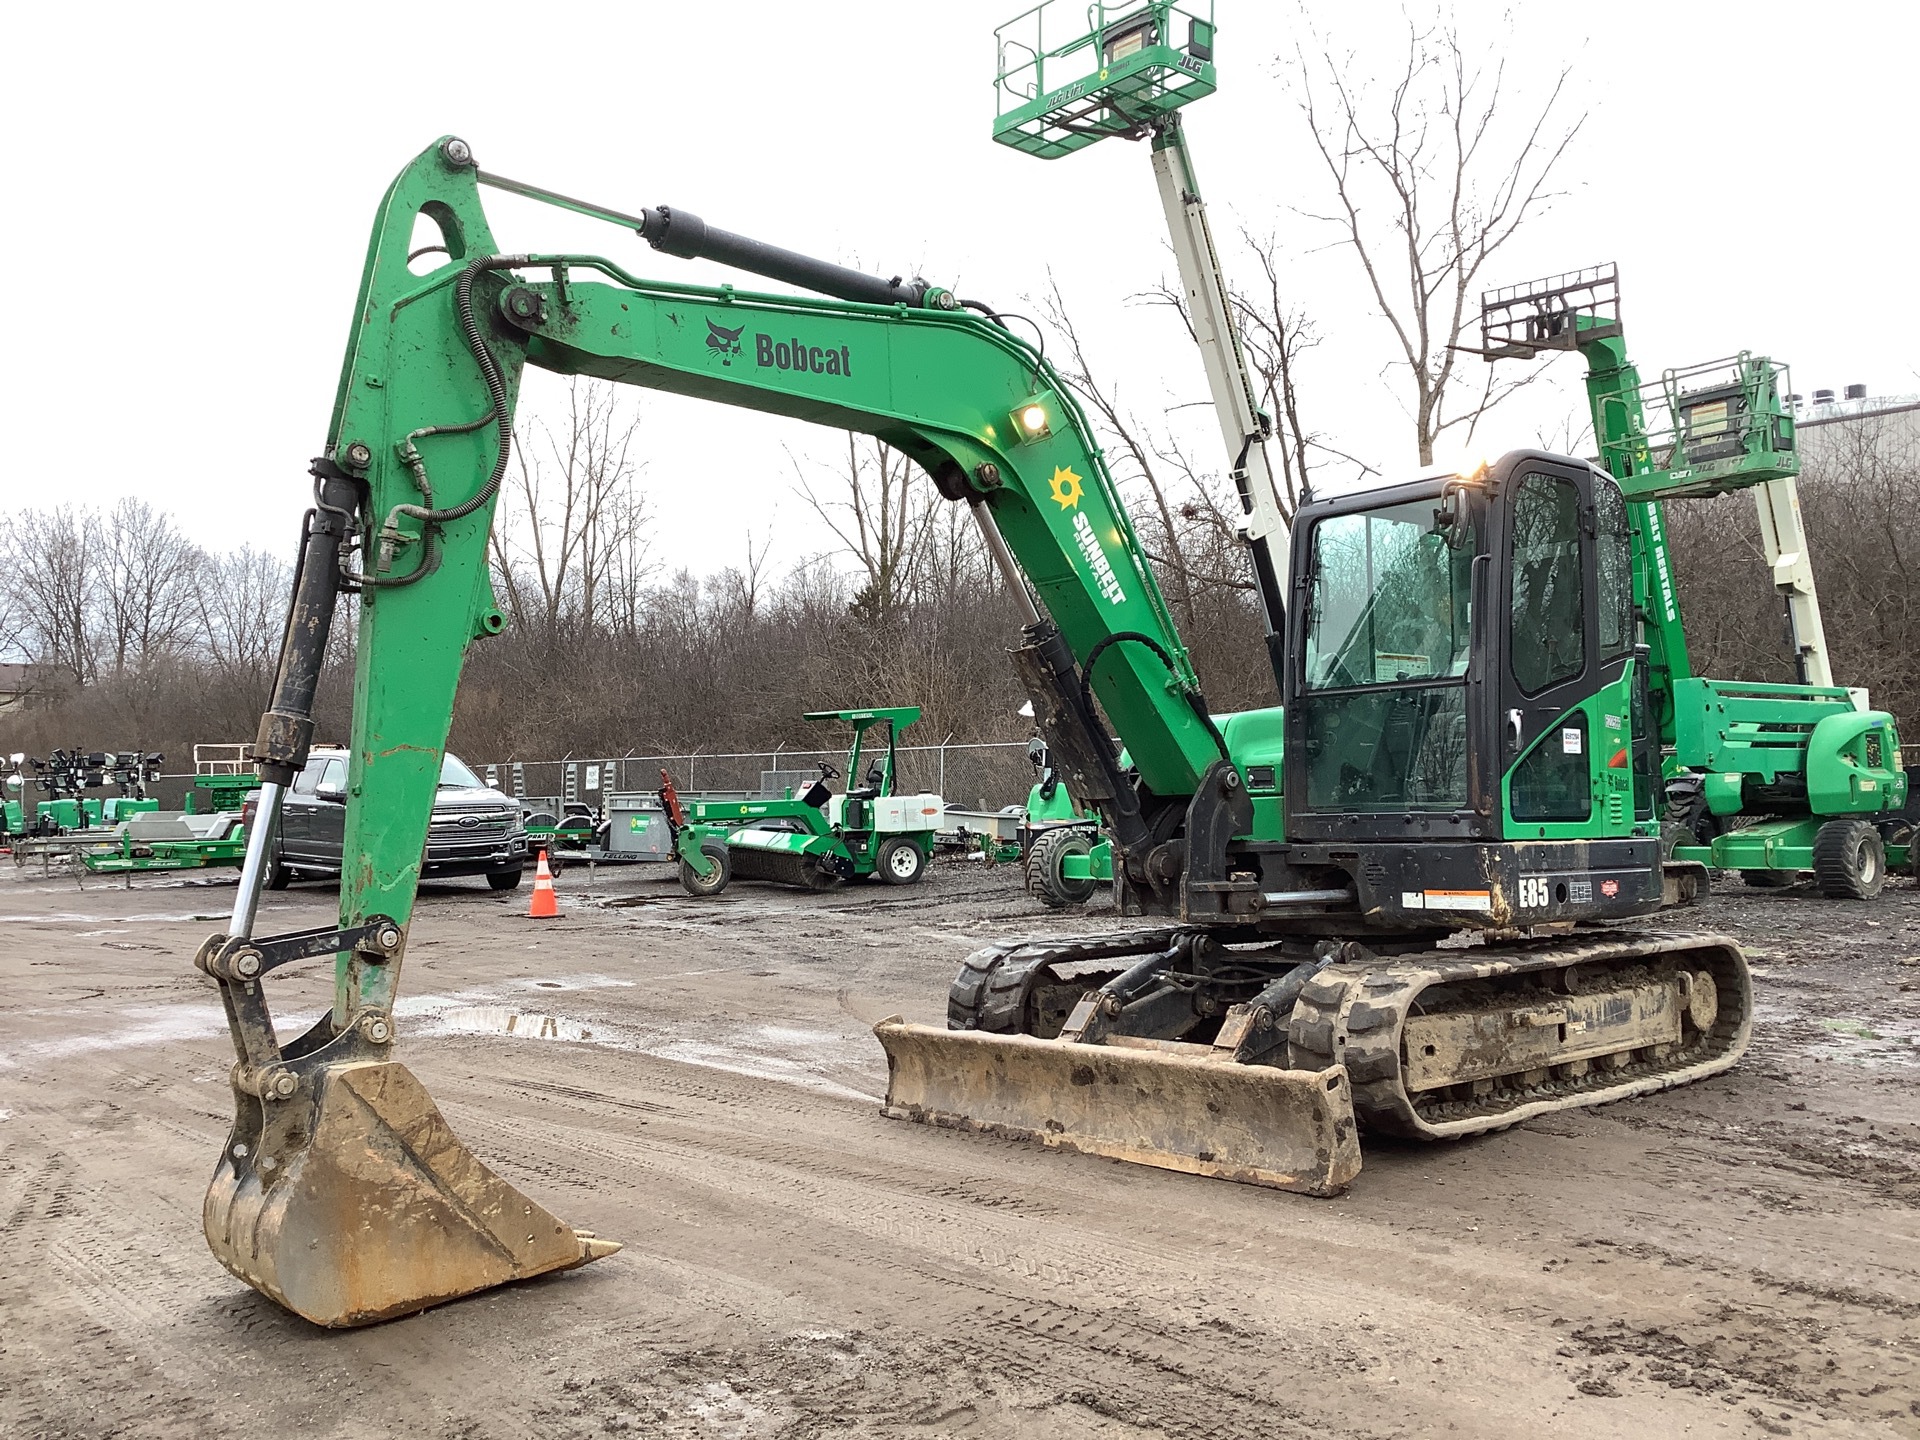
1812,769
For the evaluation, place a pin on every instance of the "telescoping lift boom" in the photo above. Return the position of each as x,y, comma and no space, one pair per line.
1457,752
1812,767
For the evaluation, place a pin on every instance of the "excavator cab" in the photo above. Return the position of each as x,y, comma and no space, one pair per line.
1465,671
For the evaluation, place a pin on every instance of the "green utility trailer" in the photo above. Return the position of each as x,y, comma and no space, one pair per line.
1770,780
160,841
818,839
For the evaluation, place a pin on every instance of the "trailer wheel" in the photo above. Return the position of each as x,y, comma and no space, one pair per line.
900,861
1849,862
1769,879
714,883
1044,877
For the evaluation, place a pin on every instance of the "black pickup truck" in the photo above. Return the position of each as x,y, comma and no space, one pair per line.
476,830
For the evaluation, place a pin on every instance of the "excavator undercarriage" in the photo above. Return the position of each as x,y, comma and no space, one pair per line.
1253,1063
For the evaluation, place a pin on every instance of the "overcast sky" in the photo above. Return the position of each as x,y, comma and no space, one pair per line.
192,187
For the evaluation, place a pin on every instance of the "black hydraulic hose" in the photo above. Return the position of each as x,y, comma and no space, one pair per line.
1195,700
496,384
501,416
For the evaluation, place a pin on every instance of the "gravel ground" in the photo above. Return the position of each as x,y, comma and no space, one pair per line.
696,1078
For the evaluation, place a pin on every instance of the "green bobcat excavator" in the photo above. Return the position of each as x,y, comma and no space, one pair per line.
1464,749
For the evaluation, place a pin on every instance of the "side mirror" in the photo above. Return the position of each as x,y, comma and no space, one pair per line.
334,793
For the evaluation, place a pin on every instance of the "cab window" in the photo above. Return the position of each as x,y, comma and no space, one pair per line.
1614,553
1549,610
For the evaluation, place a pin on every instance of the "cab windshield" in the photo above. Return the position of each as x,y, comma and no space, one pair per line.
455,775
1389,600
1387,637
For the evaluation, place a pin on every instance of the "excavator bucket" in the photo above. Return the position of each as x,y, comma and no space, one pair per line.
349,1200
1176,1106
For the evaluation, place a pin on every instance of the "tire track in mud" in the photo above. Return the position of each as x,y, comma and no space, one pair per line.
950,1233
913,1226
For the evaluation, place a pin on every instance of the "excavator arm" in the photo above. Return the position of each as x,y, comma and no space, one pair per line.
342,1193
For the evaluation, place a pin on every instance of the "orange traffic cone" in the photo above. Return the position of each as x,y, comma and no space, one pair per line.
544,906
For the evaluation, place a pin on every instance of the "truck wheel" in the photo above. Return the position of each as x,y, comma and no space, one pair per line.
1044,877
504,879
278,875
1849,861
1769,879
900,862
716,880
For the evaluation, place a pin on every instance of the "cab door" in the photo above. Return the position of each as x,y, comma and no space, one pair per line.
1553,651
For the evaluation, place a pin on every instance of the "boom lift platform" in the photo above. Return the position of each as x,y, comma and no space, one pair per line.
1811,765
1443,769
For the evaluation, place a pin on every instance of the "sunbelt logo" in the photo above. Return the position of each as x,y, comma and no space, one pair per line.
772,354
1096,557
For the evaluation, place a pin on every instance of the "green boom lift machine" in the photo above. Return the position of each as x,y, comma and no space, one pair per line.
1066,78
1812,771
819,839
1294,871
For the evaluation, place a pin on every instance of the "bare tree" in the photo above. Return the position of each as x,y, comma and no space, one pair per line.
146,578
1429,187
571,535
242,606
1274,334
882,515
741,585
50,569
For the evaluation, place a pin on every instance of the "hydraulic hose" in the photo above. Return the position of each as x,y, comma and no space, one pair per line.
1195,700
501,417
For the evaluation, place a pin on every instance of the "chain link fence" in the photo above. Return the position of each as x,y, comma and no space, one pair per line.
984,776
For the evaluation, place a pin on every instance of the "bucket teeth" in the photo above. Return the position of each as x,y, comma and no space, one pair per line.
352,1201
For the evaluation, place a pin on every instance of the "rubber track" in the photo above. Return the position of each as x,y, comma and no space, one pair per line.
1353,1015
990,992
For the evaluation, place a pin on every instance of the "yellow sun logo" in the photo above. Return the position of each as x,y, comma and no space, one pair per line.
1066,487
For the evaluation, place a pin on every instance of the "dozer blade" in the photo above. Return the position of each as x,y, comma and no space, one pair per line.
1174,1106
350,1201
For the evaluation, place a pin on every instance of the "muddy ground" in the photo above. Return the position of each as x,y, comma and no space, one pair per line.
1741,1257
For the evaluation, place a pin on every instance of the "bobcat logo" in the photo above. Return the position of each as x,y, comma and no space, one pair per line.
723,342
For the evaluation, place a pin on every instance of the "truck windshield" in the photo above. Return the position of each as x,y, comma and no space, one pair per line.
454,774
1384,716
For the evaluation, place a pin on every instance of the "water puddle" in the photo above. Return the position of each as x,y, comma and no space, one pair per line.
1877,1045
505,1021
810,1059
